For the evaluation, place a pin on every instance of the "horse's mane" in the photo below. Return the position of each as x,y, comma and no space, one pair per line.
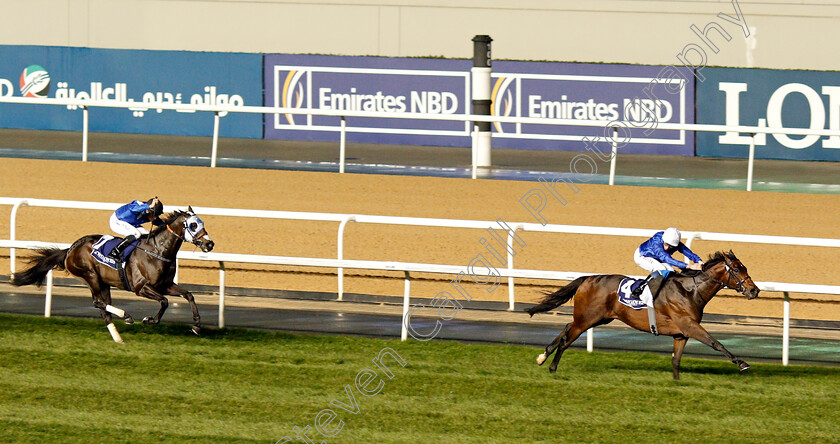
718,256
166,218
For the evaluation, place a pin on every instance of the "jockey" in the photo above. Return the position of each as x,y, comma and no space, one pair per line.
654,255
128,221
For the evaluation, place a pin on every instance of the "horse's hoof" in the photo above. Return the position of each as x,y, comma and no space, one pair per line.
148,320
128,320
197,330
541,358
743,366
552,369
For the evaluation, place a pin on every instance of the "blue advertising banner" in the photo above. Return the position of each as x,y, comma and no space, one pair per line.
524,89
134,76
582,91
774,98
394,85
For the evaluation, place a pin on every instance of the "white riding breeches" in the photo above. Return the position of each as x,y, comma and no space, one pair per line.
652,265
126,229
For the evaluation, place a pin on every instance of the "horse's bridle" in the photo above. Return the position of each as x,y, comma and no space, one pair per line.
183,238
739,285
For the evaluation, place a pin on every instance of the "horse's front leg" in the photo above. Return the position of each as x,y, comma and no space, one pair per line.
679,345
176,290
696,331
147,291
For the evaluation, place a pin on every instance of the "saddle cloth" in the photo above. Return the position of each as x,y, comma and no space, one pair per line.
626,287
103,247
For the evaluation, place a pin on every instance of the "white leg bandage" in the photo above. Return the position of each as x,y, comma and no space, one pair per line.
115,311
114,333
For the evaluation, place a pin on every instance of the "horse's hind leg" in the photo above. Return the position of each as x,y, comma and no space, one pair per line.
573,333
105,291
101,294
550,348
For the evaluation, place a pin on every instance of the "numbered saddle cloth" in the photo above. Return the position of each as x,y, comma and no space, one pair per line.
103,247
625,288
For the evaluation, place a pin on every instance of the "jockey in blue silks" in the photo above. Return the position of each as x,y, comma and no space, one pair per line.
129,218
654,255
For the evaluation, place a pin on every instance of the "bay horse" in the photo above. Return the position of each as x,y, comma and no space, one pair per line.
150,270
679,306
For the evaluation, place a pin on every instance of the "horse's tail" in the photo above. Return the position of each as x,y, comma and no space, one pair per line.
45,260
558,298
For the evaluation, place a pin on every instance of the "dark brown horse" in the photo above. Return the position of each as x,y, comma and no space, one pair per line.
150,270
679,306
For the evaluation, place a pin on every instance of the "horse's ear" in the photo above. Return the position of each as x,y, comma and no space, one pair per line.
731,254
189,209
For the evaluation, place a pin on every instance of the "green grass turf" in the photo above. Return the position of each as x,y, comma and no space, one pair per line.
65,381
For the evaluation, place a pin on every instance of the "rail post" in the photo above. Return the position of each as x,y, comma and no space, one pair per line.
84,134
474,160
342,145
614,155
215,148
511,292
751,162
691,238
48,297
221,294
786,330
340,254
12,234
406,298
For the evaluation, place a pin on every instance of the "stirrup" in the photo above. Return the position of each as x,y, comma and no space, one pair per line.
637,293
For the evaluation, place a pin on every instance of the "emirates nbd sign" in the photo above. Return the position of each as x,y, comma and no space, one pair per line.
774,98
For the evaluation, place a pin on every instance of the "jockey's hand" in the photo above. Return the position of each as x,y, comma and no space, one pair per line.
695,266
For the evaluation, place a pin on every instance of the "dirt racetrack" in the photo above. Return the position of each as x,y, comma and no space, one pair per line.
597,205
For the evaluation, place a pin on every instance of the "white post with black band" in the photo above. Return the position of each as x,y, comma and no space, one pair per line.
481,101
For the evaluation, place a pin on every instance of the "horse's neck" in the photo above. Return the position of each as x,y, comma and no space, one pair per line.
167,243
708,286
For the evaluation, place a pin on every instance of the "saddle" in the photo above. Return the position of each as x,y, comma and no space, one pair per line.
625,290
102,248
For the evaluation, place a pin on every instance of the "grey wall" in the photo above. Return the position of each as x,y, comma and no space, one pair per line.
787,34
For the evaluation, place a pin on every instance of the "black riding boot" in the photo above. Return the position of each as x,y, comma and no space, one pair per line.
117,251
637,293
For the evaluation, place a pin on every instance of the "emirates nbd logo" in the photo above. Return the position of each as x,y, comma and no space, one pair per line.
292,95
502,100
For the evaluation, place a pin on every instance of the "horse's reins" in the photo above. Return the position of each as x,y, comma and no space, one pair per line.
157,256
739,285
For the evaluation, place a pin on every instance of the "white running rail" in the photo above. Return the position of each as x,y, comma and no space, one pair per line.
339,263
